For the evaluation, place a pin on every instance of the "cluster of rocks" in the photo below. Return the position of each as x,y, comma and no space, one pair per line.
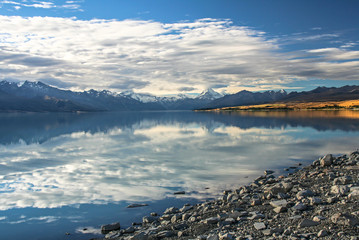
319,201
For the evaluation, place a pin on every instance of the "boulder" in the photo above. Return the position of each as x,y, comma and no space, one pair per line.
326,161
110,227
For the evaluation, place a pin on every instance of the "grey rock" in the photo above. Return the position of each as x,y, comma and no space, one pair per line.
339,189
345,219
307,223
113,234
185,208
212,220
279,203
110,227
165,234
259,225
149,219
225,236
299,206
305,193
315,201
342,180
135,205
318,218
171,210
213,237
322,233
280,209
326,161
268,172
139,236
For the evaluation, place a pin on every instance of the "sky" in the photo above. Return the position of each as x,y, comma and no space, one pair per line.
180,46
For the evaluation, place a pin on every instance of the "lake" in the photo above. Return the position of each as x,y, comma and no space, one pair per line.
70,173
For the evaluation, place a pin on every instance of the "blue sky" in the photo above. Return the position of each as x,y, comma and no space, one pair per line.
167,47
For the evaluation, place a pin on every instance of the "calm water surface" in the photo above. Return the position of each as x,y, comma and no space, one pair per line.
73,172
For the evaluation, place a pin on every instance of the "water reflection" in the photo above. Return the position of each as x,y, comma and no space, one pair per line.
61,160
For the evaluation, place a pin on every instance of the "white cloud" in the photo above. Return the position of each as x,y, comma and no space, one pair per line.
73,5
158,58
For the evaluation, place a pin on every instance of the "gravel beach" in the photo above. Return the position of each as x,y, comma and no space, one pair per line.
319,201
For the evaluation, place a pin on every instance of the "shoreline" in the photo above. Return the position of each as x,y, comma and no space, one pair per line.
318,201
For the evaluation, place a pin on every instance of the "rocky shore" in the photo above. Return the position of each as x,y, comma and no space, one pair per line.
320,201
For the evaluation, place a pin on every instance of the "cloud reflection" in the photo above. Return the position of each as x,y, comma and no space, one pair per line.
149,159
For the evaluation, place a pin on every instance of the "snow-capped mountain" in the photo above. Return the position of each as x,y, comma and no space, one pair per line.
209,94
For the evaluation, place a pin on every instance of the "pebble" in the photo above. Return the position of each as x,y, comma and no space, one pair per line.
315,201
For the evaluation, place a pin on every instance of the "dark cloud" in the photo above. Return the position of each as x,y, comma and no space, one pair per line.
186,89
36,61
126,85
57,83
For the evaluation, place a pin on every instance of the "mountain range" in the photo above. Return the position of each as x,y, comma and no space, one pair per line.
40,97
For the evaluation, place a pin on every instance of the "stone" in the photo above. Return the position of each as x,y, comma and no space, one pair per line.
354,194
135,205
307,223
212,220
280,209
339,189
268,172
256,202
171,210
305,193
256,215
185,208
113,234
318,218
225,236
129,230
315,201
299,206
279,203
345,219
322,233
326,161
110,227
212,237
165,234
149,219
139,236
259,225
342,180
176,217
179,193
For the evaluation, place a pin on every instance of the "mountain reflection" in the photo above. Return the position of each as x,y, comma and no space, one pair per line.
48,159
40,127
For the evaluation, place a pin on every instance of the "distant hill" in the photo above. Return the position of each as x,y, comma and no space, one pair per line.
320,94
39,97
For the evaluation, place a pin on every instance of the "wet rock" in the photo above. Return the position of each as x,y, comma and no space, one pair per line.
136,205
171,210
149,219
113,234
179,193
110,227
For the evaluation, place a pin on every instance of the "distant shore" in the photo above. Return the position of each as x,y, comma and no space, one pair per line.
316,201
290,106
